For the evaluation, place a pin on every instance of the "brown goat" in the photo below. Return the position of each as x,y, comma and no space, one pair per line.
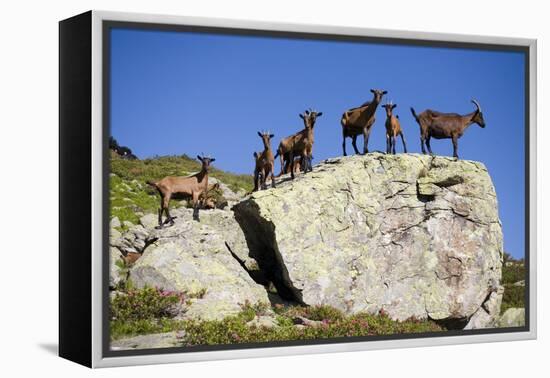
359,120
297,166
299,144
393,129
438,125
192,186
265,162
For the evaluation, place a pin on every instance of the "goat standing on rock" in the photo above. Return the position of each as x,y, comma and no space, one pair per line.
299,144
359,120
446,126
393,129
265,162
192,186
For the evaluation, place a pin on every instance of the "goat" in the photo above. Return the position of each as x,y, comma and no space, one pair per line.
265,162
208,198
393,129
299,144
192,186
359,120
297,166
446,126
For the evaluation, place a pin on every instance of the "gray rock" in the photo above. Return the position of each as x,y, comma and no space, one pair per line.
149,221
263,321
157,340
415,235
116,273
520,283
115,222
488,315
127,224
197,258
513,317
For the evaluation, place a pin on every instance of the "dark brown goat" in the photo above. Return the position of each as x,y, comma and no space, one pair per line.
192,186
393,129
299,144
359,120
438,125
265,162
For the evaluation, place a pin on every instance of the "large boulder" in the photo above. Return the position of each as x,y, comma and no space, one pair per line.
207,260
414,235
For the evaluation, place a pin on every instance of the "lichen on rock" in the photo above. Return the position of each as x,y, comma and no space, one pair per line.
418,236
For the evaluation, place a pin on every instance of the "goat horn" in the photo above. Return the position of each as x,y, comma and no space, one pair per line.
477,105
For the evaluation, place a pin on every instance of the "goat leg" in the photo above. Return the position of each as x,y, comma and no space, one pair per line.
422,145
169,219
366,134
344,145
256,179
354,144
195,197
393,142
160,225
428,145
403,140
387,144
272,176
455,147
291,160
263,186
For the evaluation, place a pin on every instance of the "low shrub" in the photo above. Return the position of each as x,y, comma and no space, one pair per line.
514,296
333,323
147,303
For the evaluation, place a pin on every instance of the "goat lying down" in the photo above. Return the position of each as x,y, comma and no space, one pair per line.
192,186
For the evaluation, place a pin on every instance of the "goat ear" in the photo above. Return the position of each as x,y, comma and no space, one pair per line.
372,90
198,157
259,134
394,106
271,135
301,115
319,114
384,92
212,160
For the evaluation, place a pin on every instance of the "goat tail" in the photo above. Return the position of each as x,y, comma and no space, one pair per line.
277,154
152,183
414,115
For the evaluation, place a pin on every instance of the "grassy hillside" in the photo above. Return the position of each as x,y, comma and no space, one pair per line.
513,272
131,197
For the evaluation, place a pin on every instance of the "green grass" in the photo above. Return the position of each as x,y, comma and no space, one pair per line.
144,311
333,324
130,195
149,310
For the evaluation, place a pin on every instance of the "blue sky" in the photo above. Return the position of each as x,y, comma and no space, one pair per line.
179,92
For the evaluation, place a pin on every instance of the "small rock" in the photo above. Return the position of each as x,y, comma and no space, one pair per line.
149,221
116,274
115,222
520,283
263,321
513,317
300,320
157,340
